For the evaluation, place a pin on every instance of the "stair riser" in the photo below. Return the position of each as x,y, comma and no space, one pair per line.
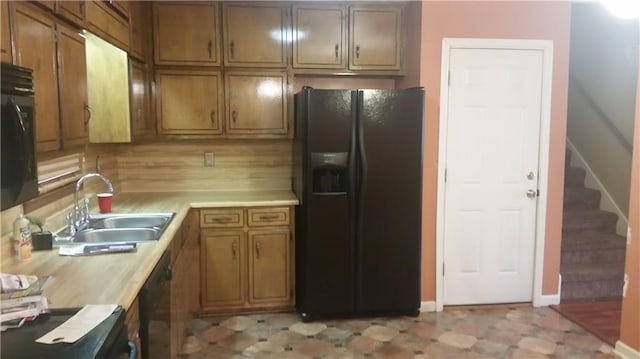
603,226
592,256
591,289
581,200
574,178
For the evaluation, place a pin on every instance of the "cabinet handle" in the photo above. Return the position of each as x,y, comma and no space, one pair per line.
87,118
269,217
222,219
336,48
234,248
234,116
357,51
258,247
232,46
209,48
212,116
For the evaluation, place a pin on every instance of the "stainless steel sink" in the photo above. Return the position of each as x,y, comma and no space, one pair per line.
156,220
120,228
116,235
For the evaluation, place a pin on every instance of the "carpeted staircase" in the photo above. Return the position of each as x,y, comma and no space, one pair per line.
592,260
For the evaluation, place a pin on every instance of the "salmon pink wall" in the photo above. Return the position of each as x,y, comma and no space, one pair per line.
630,326
508,20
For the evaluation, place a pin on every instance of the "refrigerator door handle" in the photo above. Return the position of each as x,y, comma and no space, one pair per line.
362,176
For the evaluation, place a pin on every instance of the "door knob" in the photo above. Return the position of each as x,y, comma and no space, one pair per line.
532,193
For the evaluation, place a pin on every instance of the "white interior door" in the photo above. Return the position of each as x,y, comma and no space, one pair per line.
493,139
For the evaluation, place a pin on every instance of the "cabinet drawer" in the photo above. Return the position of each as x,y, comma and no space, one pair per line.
221,218
268,216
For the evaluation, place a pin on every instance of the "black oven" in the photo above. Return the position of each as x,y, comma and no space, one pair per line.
19,172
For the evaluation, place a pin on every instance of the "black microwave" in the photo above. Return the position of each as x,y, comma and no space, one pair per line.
19,176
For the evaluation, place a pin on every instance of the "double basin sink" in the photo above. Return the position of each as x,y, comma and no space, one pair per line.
119,228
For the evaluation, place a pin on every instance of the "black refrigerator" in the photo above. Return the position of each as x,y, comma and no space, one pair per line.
358,175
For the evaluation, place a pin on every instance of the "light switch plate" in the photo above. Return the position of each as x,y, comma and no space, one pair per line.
209,159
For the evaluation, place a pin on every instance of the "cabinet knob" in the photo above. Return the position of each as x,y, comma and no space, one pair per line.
336,48
258,247
231,49
210,48
234,249
357,51
212,116
234,116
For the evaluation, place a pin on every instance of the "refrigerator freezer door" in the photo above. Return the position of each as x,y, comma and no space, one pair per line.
325,246
390,201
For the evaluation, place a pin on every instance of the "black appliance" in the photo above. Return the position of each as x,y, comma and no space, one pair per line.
155,314
19,173
106,341
358,175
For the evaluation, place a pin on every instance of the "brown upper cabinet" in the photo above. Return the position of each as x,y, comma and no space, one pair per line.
375,37
189,102
72,83
140,98
34,35
71,10
320,36
140,30
109,22
5,41
256,104
186,33
254,35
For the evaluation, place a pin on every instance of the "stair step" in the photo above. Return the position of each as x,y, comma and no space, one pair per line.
588,221
581,198
574,176
592,256
593,240
581,272
591,289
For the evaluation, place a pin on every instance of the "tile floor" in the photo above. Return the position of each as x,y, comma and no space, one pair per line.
493,332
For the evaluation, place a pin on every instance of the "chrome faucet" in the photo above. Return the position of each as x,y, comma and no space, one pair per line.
75,222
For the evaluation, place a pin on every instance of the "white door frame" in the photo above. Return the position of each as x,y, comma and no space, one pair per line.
543,171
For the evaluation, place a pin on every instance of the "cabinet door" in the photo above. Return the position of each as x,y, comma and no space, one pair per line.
189,102
254,35
71,10
319,36
223,272
139,88
5,41
105,21
179,303
375,38
35,39
186,34
256,104
269,266
140,30
72,80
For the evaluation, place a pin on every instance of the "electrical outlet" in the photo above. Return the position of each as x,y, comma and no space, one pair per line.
209,159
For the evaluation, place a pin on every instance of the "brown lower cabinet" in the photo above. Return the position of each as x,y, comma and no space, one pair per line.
246,259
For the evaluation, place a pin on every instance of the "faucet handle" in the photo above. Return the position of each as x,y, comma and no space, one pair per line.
71,223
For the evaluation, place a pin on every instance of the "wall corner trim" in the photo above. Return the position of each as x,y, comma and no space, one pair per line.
625,351
428,306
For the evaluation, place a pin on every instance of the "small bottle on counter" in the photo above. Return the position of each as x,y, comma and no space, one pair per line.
22,238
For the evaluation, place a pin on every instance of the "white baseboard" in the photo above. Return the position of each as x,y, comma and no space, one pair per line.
550,299
428,306
591,181
625,351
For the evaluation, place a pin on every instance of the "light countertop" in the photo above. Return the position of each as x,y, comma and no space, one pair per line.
117,278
